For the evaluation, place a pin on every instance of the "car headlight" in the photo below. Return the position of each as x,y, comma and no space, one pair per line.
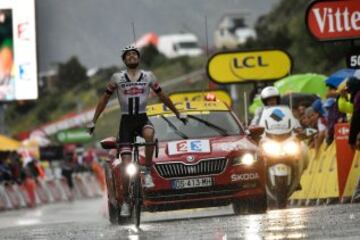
291,148
246,159
271,148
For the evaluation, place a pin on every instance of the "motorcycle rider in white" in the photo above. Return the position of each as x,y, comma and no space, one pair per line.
274,126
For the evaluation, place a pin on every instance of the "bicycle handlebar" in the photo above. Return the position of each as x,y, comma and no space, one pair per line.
117,145
142,144
137,144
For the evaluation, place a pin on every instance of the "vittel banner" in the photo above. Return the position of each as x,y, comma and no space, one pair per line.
334,20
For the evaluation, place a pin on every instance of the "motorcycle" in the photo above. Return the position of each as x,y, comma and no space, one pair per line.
285,155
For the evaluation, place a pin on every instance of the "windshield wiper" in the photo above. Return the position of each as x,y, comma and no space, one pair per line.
211,125
177,131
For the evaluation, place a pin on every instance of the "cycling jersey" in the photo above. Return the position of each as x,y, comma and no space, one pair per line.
133,95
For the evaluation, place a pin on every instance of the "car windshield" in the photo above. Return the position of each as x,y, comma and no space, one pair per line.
200,125
239,23
188,45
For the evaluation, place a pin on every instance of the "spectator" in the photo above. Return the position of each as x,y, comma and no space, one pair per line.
67,169
15,166
333,116
344,104
353,87
358,142
317,120
306,122
304,119
332,91
30,168
298,111
5,173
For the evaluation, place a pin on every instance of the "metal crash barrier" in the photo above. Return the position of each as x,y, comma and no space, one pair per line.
32,193
331,177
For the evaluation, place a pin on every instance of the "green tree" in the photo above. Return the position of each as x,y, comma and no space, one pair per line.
151,57
284,27
71,74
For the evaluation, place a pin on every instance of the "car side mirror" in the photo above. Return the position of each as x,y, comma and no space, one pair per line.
255,132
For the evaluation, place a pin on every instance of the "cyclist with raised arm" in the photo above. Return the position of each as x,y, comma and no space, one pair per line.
133,87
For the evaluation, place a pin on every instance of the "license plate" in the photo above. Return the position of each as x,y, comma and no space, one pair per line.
192,183
281,170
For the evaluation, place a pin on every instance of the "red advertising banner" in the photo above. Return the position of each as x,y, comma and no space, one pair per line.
344,154
329,20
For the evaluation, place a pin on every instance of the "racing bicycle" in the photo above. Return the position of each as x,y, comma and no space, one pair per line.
134,171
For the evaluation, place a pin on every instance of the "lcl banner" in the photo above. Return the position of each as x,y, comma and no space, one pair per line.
329,20
244,66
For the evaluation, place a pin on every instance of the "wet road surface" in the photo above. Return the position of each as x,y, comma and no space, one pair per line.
87,220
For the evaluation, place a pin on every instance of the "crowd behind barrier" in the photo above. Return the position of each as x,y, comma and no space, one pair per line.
342,105
27,182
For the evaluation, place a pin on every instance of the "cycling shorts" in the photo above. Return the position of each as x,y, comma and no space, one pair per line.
130,127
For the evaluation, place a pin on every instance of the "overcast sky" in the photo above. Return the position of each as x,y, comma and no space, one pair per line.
96,30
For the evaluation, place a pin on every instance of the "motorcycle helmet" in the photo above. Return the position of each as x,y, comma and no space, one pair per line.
128,49
269,92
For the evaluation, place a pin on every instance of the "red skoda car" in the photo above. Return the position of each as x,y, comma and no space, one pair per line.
210,161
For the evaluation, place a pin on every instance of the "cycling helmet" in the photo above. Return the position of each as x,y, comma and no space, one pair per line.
269,92
127,49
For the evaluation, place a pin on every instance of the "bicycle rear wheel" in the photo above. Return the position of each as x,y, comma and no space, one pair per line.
137,200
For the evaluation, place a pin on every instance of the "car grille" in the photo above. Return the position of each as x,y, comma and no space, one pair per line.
204,167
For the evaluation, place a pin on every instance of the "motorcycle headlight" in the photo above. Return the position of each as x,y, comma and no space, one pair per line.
271,148
291,148
246,159
131,169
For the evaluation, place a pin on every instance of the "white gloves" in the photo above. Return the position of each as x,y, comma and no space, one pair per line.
91,127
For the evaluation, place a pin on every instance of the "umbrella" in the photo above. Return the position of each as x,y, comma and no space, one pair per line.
302,83
8,144
335,79
309,83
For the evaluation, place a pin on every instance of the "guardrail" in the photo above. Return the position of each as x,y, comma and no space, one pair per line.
32,193
320,181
